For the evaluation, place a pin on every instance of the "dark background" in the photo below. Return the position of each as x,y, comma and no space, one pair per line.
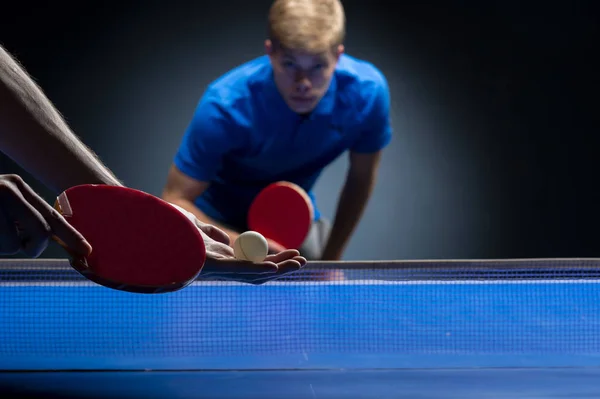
494,110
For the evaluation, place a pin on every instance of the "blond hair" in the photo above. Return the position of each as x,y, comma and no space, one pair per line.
307,25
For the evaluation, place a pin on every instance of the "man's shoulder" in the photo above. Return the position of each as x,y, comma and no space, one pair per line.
361,88
238,83
358,76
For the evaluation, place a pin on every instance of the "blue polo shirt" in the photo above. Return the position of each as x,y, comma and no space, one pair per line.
243,136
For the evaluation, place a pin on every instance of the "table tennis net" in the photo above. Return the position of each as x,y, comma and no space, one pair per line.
346,314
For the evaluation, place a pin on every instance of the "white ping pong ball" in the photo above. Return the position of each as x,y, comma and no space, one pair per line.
251,246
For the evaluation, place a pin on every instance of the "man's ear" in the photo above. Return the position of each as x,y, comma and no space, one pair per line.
268,47
340,50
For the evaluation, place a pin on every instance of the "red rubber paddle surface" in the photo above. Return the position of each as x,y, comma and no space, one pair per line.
140,243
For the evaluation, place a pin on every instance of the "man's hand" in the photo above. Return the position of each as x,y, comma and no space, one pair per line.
27,222
221,262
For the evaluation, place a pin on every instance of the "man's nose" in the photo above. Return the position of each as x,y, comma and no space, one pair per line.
303,84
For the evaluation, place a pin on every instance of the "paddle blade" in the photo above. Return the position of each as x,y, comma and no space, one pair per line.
140,243
282,212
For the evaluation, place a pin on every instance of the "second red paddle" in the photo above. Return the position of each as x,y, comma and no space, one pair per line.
282,212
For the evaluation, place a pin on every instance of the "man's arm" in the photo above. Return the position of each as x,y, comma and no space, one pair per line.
365,155
360,181
33,134
182,190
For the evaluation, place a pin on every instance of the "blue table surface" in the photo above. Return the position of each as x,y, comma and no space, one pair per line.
363,339
537,324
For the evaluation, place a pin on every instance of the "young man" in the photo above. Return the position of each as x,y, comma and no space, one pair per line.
34,134
284,117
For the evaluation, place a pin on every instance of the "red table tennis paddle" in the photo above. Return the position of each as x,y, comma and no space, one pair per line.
140,243
282,212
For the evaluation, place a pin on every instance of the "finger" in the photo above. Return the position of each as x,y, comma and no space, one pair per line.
301,259
283,255
288,266
10,243
34,231
215,233
58,225
208,229
217,250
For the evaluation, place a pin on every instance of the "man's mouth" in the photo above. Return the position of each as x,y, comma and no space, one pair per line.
302,99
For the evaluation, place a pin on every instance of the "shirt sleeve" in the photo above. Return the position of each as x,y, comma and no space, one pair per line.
376,130
207,139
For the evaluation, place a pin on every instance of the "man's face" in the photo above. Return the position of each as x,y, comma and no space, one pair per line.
302,78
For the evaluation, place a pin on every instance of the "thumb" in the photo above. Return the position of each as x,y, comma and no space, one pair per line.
215,233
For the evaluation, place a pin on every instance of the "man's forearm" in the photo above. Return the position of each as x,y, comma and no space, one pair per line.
34,134
351,205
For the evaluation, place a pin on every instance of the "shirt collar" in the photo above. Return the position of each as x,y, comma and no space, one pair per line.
277,104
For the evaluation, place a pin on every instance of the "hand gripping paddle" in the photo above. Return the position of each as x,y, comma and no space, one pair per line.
140,243
282,212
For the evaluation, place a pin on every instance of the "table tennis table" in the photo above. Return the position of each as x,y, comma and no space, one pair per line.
518,328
